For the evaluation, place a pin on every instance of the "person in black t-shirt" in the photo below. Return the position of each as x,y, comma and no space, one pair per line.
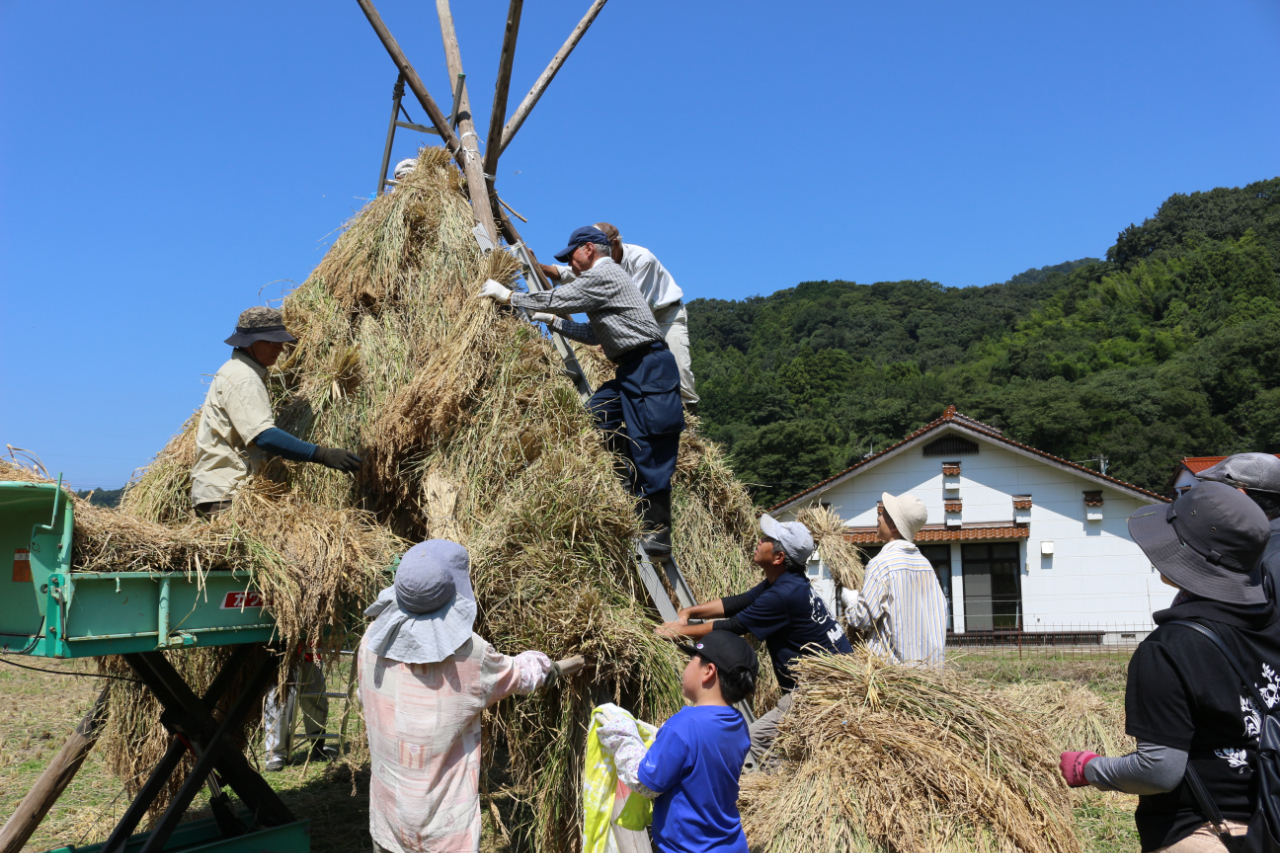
783,610
1184,703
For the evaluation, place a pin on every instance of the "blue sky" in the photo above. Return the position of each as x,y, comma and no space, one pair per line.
165,165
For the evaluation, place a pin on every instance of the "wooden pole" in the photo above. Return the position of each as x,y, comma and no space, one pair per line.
468,159
54,780
522,111
477,185
493,145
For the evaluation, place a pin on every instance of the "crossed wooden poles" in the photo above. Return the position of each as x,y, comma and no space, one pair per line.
480,171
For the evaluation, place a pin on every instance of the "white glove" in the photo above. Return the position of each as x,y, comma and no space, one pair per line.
495,291
533,668
543,318
620,737
849,597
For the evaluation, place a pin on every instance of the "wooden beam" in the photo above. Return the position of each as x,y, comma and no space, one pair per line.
54,780
473,165
468,159
493,146
544,80
438,120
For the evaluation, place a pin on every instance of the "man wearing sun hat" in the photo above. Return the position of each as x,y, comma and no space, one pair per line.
901,607
783,610
639,410
424,680
1190,713
237,429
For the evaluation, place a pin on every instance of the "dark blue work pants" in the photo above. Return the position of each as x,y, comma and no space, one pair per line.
641,414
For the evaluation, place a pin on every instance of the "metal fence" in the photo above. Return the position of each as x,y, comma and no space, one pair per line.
1100,639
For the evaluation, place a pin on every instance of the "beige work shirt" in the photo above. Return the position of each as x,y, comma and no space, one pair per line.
236,411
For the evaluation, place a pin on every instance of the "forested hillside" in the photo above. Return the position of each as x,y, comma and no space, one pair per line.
1169,347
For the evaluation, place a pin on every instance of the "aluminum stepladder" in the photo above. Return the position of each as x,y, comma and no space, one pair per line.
397,109
290,711
645,565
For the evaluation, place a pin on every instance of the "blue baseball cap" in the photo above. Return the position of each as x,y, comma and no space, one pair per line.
585,234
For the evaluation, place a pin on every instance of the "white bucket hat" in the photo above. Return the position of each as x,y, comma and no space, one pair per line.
907,513
428,613
405,168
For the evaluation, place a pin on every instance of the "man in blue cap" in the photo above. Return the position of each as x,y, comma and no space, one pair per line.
640,410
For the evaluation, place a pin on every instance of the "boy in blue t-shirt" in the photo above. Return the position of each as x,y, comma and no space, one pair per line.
691,771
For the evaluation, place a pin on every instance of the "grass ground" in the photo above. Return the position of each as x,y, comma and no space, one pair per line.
38,709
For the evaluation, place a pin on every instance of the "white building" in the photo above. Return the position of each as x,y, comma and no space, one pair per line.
1021,540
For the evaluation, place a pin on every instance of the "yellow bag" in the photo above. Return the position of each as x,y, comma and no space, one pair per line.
606,800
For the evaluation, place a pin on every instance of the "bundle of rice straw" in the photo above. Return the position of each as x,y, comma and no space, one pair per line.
469,431
887,758
840,555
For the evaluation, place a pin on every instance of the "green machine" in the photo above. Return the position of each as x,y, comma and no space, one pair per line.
48,611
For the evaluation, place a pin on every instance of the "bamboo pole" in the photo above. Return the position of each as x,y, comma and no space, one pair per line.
54,780
477,185
471,166
544,80
493,145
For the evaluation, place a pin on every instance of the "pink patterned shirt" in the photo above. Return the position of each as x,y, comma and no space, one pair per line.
423,722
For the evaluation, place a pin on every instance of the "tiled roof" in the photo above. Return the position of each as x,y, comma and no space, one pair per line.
942,533
952,417
1196,464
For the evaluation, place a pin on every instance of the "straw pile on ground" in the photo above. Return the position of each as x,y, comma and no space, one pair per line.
468,431
883,758
1074,716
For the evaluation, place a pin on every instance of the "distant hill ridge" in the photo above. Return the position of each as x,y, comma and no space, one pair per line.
1164,349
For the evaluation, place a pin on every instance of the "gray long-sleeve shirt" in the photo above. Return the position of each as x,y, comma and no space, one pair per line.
1151,769
619,318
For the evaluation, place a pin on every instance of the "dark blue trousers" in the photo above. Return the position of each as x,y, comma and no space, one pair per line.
641,414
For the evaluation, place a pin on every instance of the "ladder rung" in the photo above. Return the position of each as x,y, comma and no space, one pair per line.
408,125
328,695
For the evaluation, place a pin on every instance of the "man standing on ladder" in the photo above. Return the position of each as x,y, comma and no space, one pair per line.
663,295
639,411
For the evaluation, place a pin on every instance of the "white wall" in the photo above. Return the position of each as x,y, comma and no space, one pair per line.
1096,576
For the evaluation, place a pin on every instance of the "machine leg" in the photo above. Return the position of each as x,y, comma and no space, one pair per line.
210,755
198,724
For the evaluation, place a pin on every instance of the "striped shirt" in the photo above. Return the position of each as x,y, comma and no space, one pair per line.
423,722
619,318
902,606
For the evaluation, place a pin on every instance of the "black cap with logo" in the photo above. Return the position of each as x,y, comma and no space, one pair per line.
729,652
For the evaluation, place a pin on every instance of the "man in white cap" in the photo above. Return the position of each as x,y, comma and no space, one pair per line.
901,607
783,610
425,679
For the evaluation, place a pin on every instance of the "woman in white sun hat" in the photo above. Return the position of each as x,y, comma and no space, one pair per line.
425,679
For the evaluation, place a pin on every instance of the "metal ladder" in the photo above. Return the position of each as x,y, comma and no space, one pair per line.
290,711
645,565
